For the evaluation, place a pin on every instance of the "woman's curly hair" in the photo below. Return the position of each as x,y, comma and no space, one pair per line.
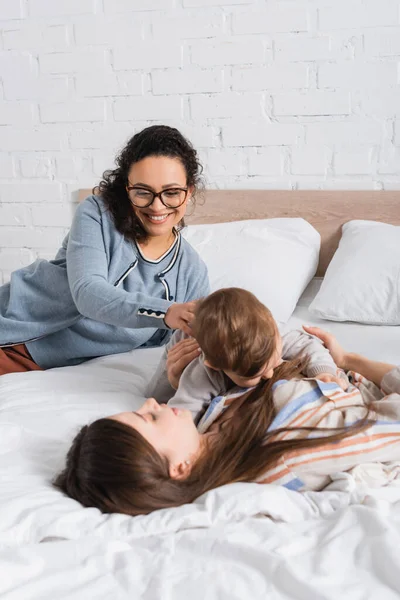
157,140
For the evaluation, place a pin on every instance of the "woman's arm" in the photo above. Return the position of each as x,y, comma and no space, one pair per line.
349,361
97,298
371,369
87,267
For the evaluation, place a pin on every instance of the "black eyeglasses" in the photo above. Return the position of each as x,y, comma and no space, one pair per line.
171,198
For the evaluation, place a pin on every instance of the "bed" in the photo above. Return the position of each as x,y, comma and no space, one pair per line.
239,541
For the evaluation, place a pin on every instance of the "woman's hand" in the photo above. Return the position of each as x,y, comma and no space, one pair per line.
180,316
338,354
179,357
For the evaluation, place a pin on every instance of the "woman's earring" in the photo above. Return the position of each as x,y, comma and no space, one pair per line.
187,462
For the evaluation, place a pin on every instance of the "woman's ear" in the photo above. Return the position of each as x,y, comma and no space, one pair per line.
180,470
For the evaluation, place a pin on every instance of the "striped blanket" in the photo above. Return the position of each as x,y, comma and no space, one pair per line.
312,403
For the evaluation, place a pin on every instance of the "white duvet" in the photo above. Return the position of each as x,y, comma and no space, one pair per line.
240,541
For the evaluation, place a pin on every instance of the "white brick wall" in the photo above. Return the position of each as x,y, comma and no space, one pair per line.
280,94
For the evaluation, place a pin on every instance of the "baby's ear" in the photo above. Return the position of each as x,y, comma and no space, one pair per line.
206,362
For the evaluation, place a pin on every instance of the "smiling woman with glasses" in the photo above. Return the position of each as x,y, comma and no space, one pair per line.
124,277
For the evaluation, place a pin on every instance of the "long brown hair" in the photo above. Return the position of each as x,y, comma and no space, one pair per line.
235,331
112,467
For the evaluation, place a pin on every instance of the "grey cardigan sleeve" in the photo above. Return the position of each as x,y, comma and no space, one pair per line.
87,268
298,342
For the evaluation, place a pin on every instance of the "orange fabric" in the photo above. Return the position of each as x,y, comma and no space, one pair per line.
16,359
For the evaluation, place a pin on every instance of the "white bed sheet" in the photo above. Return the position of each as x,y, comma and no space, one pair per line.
240,541
374,341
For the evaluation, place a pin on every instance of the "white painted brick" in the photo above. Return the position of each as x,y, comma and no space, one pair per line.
267,161
36,88
70,112
389,161
355,14
198,25
30,141
101,137
147,107
261,133
385,42
351,183
260,54
120,31
28,237
73,166
274,19
16,215
7,166
391,185
300,48
222,162
271,77
29,192
147,56
226,105
11,9
187,81
359,183
200,136
44,8
16,113
310,160
30,37
207,54
109,84
11,260
35,166
353,162
312,103
83,61
204,3
344,133
102,162
347,45
119,6
397,132
52,215
378,104
357,75
13,62
254,182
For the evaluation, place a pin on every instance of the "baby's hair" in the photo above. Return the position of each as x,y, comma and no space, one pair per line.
235,331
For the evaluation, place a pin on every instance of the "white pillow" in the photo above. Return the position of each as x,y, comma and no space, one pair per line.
273,258
362,281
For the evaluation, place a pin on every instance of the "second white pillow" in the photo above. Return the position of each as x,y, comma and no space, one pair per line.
362,282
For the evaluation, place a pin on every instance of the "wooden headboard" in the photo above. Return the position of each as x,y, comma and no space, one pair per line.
325,210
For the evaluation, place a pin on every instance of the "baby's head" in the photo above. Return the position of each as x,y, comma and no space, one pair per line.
238,335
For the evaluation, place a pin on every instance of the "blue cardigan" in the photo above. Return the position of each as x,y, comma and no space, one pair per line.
99,296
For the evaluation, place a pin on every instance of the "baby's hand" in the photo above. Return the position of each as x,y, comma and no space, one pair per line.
330,378
179,357
338,354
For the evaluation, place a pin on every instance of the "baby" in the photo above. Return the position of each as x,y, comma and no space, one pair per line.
240,344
